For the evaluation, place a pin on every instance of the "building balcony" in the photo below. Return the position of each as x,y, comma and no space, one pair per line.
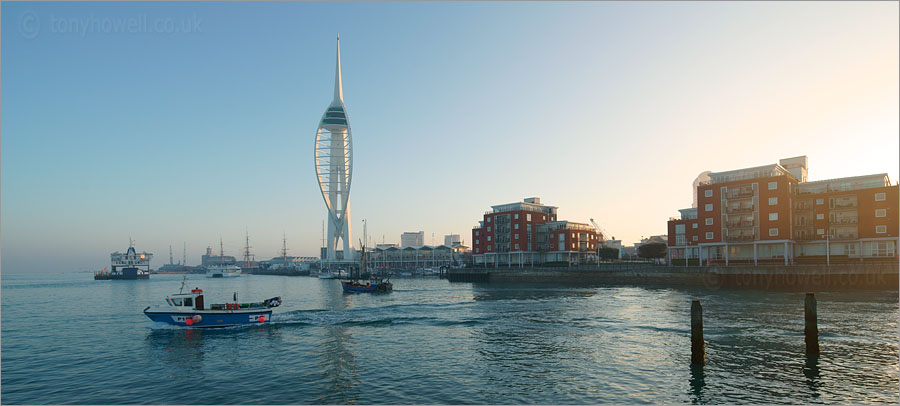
844,221
740,209
740,224
803,224
805,237
739,194
740,238
843,207
844,236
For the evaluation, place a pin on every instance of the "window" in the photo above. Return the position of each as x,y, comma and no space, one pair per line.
477,242
880,229
573,236
709,235
679,229
176,302
820,231
543,217
489,228
883,249
573,245
850,249
477,250
476,233
708,193
517,246
489,238
528,217
188,301
820,216
880,212
516,226
516,216
695,225
694,238
516,236
773,185
773,232
879,197
708,207
489,219
709,221
773,201
489,248
820,201
773,216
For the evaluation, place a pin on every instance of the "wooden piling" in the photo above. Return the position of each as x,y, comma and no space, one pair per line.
811,330
698,346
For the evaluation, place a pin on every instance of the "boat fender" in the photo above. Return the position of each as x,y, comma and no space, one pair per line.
197,318
262,319
189,321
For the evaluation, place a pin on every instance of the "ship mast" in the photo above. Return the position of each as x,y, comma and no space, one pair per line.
184,253
247,250
171,261
221,251
283,249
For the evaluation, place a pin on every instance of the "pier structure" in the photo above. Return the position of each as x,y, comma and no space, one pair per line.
334,170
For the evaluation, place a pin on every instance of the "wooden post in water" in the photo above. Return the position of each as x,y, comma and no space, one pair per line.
698,346
811,330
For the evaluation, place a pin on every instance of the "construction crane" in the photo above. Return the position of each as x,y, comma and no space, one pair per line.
600,231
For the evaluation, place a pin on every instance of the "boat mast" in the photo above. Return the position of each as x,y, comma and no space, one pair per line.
221,251
184,254
171,261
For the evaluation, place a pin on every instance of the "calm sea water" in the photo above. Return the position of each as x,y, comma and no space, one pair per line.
69,339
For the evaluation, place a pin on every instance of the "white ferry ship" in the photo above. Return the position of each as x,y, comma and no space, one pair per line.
127,266
223,271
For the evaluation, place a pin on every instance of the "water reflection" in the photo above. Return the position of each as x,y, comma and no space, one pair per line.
698,382
336,359
811,371
179,348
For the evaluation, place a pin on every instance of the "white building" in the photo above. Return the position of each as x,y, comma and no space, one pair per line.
412,239
451,240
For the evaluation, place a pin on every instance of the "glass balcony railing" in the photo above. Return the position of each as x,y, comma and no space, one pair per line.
851,220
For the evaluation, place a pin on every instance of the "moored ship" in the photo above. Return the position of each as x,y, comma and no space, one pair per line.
128,266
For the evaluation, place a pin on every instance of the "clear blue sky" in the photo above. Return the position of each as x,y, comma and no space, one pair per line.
607,110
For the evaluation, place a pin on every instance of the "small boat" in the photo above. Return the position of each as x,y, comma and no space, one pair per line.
189,309
366,285
223,271
365,282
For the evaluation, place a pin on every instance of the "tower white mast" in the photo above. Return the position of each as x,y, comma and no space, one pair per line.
334,167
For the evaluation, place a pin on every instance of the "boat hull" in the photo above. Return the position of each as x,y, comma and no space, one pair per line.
212,318
350,287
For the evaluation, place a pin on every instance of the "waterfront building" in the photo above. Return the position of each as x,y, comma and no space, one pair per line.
412,239
528,232
773,214
334,169
390,256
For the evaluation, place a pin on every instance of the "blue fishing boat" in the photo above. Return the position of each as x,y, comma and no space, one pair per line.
189,309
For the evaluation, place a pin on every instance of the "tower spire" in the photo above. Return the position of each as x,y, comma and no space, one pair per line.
338,86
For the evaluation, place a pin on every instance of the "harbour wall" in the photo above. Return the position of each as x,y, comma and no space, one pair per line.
884,276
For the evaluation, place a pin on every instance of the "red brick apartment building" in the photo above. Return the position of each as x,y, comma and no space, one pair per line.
771,214
528,232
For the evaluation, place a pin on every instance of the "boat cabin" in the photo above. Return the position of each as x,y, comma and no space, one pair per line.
193,300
